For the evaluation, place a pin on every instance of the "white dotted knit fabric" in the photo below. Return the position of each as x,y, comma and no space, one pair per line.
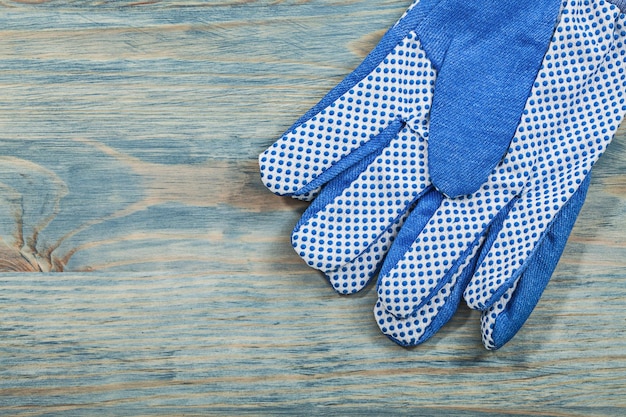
399,88
357,217
574,109
357,273
490,316
417,327
573,113
348,236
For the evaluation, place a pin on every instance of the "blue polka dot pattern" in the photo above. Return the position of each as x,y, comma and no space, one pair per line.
363,211
357,273
574,109
347,237
399,88
362,158
490,316
426,320
571,117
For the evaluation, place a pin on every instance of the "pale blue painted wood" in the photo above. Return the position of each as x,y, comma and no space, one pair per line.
81,344
128,141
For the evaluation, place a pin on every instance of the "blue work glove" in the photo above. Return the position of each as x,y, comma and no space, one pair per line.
448,74
497,247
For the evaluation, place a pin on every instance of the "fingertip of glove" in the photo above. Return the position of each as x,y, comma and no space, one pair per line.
280,178
270,176
456,172
499,332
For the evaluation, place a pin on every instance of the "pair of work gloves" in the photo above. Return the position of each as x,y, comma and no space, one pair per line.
454,160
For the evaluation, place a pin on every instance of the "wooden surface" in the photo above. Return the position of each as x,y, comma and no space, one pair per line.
148,272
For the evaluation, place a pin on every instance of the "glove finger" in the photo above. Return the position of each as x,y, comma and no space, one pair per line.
409,20
436,312
438,236
485,74
318,148
356,208
510,248
356,274
501,321
507,311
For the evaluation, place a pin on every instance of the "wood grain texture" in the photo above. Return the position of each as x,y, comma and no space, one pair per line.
129,138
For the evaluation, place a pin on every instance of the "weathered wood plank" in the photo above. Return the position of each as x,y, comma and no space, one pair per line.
114,114
129,137
178,343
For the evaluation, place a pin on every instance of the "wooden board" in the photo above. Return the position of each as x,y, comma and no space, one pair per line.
146,271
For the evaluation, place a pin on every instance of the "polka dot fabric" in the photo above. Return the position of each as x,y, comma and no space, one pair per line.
357,217
348,235
429,318
574,109
379,115
588,96
357,273
361,157
399,88
490,316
